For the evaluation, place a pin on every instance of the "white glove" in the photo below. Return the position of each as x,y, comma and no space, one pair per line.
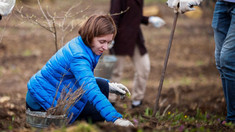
156,21
184,5
123,122
118,89
6,6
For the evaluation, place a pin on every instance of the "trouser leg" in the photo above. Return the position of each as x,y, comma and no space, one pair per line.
89,112
227,61
142,69
224,34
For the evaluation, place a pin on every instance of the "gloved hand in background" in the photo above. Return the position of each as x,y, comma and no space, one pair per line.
123,122
6,6
184,5
118,89
157,21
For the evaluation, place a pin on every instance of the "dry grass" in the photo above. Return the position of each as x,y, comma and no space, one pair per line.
68,98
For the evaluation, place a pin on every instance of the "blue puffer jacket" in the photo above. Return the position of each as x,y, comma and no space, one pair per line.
73,65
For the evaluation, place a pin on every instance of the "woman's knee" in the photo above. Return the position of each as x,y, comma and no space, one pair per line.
103,85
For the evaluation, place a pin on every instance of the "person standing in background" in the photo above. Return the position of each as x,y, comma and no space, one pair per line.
130,42
6,7
223,24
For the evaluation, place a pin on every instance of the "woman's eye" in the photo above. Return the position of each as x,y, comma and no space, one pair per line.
102,42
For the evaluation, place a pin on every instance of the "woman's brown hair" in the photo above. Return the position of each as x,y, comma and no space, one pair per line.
95,26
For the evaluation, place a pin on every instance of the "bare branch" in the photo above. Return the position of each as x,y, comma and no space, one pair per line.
55,33
116,14
43,13
30,18
4,28
56,25
166,110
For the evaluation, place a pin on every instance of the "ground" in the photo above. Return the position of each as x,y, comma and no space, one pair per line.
191,82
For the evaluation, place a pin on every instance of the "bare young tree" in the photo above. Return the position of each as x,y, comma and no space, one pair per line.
52,22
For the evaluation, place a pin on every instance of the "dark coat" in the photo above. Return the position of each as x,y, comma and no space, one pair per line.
129,33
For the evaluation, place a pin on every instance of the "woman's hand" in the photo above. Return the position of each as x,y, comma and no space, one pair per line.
123,122
118,89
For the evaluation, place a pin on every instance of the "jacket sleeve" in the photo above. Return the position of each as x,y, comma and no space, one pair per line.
81,68
145,20
102,78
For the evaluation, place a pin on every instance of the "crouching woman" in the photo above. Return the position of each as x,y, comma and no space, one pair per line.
73,65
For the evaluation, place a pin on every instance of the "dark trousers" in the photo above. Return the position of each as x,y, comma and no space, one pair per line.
89,112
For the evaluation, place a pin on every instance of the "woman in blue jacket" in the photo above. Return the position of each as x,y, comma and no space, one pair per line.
73,65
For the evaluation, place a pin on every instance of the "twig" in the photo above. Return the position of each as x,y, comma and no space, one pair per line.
48,21
4,28
55,34
57,90
116,14
164,112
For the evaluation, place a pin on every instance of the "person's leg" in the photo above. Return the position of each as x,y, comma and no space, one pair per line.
116,75
142,69
223,25
227,62
89,113
220,26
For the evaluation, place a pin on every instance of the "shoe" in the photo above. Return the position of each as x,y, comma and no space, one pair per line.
135,104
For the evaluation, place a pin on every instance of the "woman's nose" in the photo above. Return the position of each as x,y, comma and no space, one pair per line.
105,47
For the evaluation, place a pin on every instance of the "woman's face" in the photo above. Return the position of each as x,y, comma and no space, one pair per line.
100,44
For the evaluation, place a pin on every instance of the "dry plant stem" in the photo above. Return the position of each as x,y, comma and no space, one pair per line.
162,102
57,91
4,28
43,13
69,119
32,20
116,14
164,112
77,92
50,22
51,26
55,35
65,28
63,106
66,101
